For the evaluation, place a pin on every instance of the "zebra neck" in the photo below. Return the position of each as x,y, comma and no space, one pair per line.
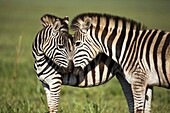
111,42
117,41
97,72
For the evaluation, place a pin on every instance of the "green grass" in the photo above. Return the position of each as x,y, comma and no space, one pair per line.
20,90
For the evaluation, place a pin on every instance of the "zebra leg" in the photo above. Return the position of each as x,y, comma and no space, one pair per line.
129,97
54,83
139,85
47,91
148,99
127,92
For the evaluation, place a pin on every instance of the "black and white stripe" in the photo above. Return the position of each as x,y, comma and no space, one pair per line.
144,55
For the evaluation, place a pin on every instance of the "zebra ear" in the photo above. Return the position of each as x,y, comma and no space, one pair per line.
86,25
56,25
48,19
66,19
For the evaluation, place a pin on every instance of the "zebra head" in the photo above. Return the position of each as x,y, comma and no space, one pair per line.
56,39
86,48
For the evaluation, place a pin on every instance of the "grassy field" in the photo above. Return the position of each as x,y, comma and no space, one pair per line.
20,90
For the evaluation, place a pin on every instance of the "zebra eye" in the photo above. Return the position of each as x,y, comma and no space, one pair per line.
78,43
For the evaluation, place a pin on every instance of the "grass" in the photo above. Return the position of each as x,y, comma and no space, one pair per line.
20,90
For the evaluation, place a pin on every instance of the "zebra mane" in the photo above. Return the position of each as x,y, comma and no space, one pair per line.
76,24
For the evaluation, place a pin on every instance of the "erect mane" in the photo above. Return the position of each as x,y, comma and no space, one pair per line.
134,24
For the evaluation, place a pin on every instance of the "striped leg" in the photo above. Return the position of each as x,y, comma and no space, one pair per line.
47,91
139,85
129,97
53,92
139,98
148,99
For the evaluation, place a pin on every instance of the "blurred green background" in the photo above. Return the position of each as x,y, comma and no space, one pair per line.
20,90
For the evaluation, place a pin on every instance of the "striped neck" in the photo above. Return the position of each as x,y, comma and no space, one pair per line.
99,71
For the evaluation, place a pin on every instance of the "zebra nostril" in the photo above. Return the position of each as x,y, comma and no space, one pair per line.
70,66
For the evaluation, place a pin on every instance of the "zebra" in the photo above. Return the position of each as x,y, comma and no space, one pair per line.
49,42
143,54
51,50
